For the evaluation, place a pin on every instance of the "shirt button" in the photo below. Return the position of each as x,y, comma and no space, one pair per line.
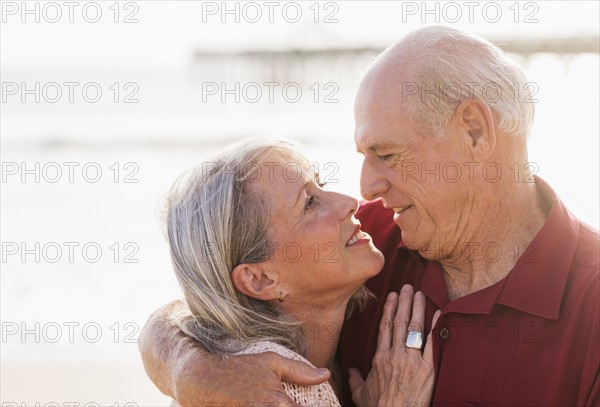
444,333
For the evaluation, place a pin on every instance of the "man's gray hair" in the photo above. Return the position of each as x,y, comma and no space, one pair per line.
451,66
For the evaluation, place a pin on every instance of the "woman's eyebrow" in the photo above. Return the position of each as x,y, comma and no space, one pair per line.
302,189
317,177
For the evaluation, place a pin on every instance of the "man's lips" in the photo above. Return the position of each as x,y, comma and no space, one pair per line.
400,209
399,212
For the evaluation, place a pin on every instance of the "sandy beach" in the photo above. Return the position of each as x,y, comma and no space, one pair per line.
106,384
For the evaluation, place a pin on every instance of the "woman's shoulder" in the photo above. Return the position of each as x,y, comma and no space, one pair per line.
268,346
305,396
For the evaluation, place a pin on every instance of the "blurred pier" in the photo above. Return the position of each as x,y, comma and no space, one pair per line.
346,64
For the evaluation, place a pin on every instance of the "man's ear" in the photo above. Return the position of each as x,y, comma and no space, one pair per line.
476,122
254,281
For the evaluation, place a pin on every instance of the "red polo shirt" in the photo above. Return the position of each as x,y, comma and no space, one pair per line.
532,339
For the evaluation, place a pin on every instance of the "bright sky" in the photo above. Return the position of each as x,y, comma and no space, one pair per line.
167,31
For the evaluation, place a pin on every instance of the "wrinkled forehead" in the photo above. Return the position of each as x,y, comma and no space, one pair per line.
381,112
386,85
282,168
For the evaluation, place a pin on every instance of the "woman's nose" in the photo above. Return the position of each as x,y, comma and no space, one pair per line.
346,205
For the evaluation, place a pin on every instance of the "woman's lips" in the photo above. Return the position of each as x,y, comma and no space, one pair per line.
358,237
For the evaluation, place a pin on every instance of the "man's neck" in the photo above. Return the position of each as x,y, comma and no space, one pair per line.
501,240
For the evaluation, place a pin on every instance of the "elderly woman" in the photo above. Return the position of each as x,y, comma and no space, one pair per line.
268,260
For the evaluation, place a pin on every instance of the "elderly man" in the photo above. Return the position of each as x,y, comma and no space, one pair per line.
442,123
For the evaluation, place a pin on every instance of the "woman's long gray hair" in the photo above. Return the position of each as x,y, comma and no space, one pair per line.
216,221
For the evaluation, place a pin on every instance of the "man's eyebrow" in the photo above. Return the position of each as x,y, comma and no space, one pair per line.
380,147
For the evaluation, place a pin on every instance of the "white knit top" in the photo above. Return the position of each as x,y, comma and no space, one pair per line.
306,396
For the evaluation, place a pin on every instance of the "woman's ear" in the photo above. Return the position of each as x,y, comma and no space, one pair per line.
476,122
252,280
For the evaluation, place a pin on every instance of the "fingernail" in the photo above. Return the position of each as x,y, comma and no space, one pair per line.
406,288
419,295
391,296
322,371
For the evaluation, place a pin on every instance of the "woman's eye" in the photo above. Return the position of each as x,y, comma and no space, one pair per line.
310,202
386,157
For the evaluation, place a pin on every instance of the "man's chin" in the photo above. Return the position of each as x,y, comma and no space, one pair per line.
409,240
424,248
412,245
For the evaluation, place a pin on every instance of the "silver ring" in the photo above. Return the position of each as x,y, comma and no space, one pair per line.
414,340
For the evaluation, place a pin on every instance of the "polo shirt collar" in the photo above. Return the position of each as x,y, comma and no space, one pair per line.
537,282
434,287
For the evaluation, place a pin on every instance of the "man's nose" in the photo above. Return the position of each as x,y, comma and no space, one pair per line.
372,183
